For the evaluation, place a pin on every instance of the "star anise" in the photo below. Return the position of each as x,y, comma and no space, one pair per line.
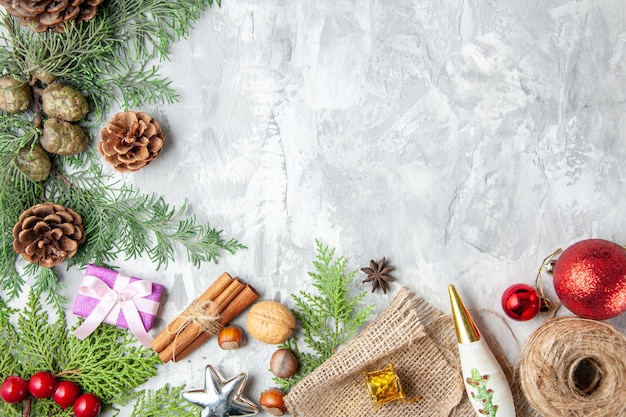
378,275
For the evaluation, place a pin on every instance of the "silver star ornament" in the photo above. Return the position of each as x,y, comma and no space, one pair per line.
221,398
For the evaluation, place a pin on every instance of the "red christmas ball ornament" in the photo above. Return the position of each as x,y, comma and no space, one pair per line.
521,302
590,279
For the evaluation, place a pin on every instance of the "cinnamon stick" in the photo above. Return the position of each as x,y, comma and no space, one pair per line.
243,300
182,338
163,339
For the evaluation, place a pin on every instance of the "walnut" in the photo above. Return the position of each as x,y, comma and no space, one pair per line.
270,322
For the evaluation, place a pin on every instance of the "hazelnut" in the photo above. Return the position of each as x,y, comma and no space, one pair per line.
230,338
283,363
272,402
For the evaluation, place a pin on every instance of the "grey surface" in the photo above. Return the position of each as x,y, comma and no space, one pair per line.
465,141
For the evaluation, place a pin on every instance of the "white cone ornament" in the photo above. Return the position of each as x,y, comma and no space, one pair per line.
486,385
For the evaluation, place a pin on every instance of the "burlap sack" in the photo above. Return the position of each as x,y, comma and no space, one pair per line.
420,342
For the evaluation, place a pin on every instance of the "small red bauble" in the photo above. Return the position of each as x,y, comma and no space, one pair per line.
42,385
66,394
521,302
590,279
87,405
14,390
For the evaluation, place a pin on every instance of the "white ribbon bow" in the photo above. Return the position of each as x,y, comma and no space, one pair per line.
124,296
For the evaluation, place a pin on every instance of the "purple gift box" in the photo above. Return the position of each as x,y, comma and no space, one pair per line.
147,306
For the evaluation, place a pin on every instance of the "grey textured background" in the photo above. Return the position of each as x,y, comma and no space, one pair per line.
465,141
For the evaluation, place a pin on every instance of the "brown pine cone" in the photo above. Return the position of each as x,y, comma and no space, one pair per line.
48,234
42,15
130,141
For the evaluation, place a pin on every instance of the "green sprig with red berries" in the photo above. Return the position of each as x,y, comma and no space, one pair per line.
66,394
46,371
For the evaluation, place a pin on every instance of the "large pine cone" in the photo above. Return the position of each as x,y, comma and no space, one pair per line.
48,234
42,15
130,141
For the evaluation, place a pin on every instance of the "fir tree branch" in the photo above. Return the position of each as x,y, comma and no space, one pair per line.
166,400
47,282
138,84
109,363
59,54
109,57
112,58
8,338
38,341
327,319
17,193
119,219
154,25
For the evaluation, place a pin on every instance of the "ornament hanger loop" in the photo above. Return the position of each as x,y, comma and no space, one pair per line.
545,302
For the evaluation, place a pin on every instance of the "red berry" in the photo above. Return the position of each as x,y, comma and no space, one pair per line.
42,385
66,394
87,405
14,390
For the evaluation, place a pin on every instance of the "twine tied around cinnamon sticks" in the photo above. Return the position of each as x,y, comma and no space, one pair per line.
224,300
205,314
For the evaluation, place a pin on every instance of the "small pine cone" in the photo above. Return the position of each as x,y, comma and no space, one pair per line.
34,162
48,234
42,15
64,102
63,138
14,95
130,141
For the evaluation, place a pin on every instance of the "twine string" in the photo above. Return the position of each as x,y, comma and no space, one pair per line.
584,375
572,367
203,314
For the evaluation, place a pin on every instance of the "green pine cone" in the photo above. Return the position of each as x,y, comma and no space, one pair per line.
14,95
64,102
34,162
63,138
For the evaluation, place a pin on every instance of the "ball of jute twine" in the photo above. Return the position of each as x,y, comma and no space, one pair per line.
575,367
